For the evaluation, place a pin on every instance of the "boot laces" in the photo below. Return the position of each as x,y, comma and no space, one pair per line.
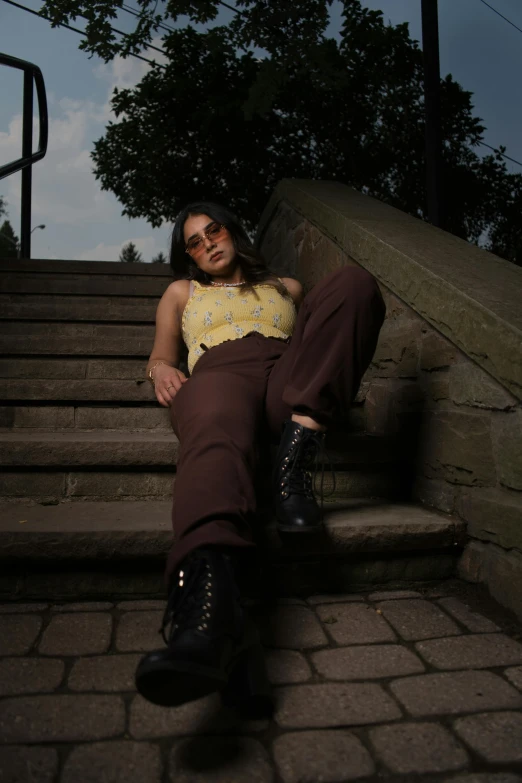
300,463
303,465
320,456
190,601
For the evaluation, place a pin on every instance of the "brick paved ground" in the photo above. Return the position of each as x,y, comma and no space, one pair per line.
399,686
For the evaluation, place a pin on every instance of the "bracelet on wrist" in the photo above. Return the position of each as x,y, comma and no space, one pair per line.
150,374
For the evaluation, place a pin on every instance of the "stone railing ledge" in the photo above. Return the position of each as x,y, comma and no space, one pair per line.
470,295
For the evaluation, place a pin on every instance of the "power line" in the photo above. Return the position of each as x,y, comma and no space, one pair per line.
84,34
164,25
171,29
500,153
502,16
235,10
161,25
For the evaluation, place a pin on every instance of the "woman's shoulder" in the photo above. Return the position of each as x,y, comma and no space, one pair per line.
177,295
178,290
294,288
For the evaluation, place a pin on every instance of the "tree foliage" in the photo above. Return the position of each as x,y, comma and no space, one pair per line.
216,121
130,254
9,242
161,258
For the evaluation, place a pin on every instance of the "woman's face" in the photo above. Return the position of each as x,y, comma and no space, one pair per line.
213,251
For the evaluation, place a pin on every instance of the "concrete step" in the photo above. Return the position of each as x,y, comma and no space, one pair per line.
88,390
44,448
84,417
55,485
84,284
62,368
148,448
108,530
119,548
38,307
48,338
33,414
52,465
90,268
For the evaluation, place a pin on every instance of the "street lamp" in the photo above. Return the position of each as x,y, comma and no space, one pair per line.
40,226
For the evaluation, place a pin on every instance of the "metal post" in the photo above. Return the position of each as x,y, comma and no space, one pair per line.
27,172
430,47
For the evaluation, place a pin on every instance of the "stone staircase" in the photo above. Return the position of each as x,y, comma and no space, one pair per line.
88,457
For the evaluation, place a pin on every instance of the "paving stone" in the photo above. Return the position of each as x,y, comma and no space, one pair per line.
496,736
28,765
486,777
104,673
514,675
454,692
472,620
18,633
355,624
326,756
220,760
139,631
324,705
86,606
367,662
418,619
392,595
14,608
418,747
29,675
133,606
291,627
84,633
204,716
60,718
112,762
475,651
286,666
314,600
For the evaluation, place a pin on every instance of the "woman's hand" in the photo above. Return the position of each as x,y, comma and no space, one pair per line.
167,383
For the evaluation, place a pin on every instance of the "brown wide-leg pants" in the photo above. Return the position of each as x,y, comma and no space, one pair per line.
243,387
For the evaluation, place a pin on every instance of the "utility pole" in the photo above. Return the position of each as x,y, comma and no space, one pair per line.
430,48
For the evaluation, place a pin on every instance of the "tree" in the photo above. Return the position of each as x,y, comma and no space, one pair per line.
130,254
9,242
3,206
161,258
217,121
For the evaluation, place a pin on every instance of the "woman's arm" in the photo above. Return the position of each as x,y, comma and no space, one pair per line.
168,342
294,288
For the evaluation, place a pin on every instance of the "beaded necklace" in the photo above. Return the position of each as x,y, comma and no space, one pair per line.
226,285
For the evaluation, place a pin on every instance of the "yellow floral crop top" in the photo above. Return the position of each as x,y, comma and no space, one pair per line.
215,314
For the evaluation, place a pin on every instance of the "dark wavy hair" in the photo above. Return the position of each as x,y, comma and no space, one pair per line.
253,265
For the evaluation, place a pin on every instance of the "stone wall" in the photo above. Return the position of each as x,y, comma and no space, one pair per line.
463,426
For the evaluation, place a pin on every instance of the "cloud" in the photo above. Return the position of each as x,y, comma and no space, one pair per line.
66,195
64,187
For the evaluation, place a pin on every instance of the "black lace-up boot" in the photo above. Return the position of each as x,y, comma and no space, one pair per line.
295,504
205,629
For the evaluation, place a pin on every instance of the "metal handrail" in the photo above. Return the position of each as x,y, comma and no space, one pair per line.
36,74
32,76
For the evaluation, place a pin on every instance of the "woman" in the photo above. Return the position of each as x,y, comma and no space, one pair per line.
246,376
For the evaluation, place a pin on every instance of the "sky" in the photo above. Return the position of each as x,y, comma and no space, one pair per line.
480,50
